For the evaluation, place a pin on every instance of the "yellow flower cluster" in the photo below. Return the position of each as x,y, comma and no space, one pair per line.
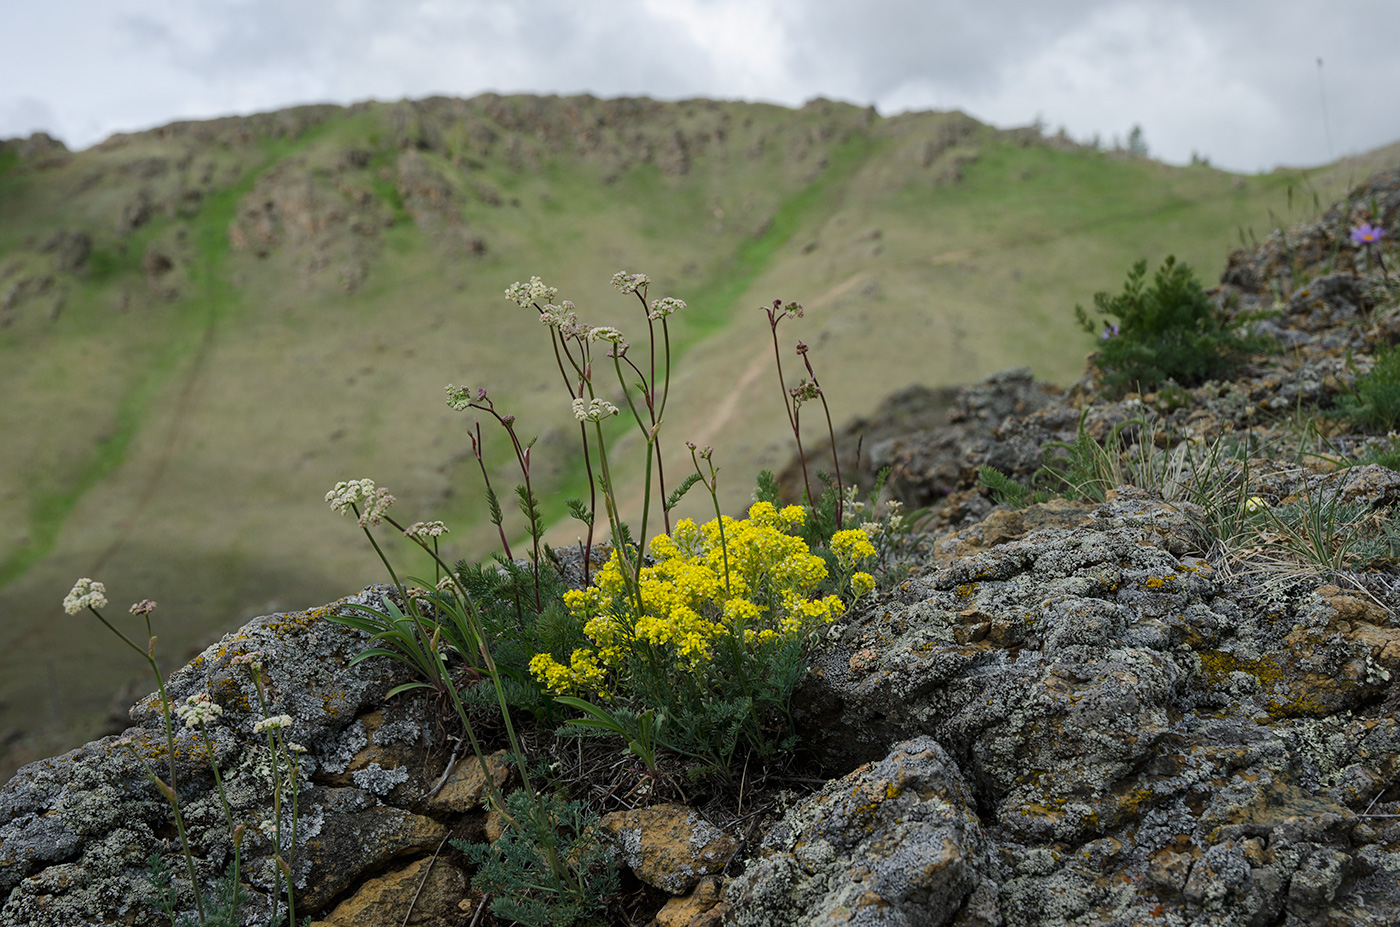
851,547
751,589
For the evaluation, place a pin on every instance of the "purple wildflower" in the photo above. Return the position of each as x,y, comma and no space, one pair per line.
1109,331
1367,234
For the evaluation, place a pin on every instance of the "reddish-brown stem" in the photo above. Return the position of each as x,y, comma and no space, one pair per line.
831,435
522,457
476,451
787,403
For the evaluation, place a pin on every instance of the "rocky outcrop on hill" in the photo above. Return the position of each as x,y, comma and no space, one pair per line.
325,204
1086,711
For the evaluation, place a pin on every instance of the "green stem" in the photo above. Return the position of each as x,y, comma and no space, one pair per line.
615,522
646,510
291,852
383,559
276,803
174,796
473,626
712,484
228,809
788,406
660,414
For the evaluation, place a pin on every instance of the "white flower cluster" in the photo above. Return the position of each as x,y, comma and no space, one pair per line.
882,528
272,724
630,283
198,709
86,593
562,315
348,493
423,530
594,410
605,333
564,318
524,294
661,308
893,518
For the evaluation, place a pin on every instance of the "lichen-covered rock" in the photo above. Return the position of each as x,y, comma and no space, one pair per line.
465,787
349,832
1141,737
76,830
668,845
427,890
394,760
896,842
683,911
928,464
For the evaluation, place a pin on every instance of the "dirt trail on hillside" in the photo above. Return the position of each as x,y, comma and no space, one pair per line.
758,364
724,411
172,436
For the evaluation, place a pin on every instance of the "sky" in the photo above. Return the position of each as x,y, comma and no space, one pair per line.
1234,81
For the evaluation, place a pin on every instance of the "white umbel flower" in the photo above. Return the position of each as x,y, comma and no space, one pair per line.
272,724
594,410
86,593
198,709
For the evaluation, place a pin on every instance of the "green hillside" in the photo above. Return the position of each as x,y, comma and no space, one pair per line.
205,326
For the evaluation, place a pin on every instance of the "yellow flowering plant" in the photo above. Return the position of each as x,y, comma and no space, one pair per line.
716,647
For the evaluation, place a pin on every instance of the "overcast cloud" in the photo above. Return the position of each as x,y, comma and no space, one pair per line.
1234,80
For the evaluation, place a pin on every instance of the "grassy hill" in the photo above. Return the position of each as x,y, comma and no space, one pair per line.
204,326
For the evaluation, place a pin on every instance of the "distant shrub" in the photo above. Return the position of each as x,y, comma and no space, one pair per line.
1166,331
1376,402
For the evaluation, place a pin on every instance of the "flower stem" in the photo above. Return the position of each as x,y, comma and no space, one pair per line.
174,796
787,404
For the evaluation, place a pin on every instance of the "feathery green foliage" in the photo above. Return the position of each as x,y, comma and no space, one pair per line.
1007,491
1376,402
524,887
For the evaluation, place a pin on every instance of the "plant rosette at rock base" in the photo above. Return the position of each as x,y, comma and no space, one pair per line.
712,634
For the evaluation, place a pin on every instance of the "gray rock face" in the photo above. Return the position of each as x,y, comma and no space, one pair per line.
76,830
896,842
1136,736
928,463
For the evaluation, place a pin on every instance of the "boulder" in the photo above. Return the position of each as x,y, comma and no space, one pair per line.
668,845
893,842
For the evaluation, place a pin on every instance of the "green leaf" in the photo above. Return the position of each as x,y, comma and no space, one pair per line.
600,718
494,504
674,498
406,687
578,510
